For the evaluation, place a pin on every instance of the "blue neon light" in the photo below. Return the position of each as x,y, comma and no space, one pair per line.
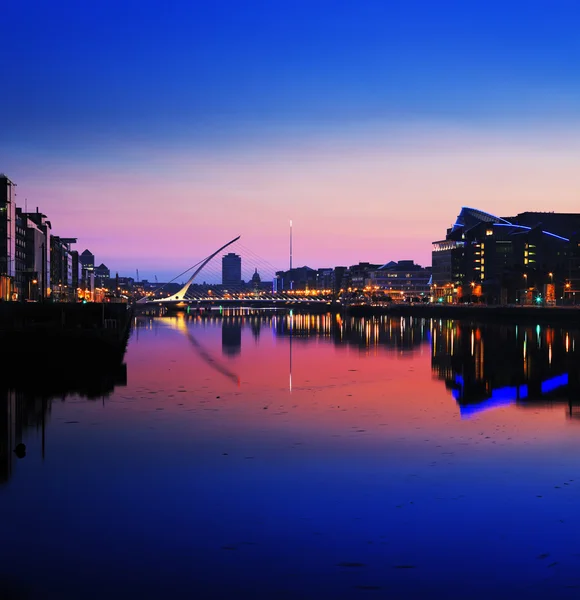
499,397
556,236
459,380
528,228
554,383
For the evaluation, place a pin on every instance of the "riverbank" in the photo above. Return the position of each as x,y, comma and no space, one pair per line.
545,314
75,331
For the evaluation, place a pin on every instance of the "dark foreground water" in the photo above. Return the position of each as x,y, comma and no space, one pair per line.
275,457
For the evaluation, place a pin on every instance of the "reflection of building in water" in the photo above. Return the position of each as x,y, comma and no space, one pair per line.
25,402
397,333
18,413
8,434
231,337
402,334
493,365
256,327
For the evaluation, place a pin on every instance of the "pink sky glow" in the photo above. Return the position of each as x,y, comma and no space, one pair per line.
375,194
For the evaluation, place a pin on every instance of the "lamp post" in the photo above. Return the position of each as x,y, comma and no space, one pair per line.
30,283
472,289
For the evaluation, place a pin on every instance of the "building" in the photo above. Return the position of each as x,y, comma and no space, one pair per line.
102,275
87,260
256,281
35,264
231,271
530,258
402,279
20,279
38,234
7,238
299,278
359,275
64,280
324,279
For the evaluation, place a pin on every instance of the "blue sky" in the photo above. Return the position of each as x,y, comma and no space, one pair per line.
200,70
103,84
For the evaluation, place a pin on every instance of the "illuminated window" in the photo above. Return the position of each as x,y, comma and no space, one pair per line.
489,232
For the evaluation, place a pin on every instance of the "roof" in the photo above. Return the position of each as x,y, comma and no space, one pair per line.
472,217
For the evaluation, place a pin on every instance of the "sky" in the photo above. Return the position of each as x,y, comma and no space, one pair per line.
155,132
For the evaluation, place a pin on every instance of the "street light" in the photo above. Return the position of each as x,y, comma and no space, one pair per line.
30,282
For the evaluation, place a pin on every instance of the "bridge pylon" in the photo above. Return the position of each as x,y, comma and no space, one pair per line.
180,295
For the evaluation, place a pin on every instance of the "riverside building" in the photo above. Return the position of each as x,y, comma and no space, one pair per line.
531,258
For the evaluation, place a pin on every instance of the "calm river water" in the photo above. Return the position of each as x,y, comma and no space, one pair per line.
294,457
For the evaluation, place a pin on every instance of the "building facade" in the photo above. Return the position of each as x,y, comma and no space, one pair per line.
402,280
529,258
232,271
64,280
38,234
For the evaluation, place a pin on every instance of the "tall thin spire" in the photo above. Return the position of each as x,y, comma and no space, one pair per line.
290,244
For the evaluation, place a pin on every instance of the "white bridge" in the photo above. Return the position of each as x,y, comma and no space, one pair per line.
191,296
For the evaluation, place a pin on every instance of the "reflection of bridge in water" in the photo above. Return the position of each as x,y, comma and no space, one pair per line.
483,365
401,335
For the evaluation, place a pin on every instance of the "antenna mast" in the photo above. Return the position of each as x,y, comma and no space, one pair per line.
290,244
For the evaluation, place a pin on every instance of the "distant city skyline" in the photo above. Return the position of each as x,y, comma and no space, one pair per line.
154,134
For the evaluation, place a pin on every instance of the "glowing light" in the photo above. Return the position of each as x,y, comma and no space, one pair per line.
554,383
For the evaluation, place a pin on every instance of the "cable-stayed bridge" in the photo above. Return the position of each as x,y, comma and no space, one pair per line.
195,294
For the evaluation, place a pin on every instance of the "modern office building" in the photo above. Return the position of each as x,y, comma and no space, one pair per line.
232,271
63,277
298,278
87,260
38,234
403,279
530,258
359,275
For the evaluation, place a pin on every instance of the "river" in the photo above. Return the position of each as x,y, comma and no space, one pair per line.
291,456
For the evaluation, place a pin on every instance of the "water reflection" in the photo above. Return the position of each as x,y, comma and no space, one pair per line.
212,474
487,366
404,333
482,365
26,401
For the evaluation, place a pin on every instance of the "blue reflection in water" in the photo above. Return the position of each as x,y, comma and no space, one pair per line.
364,482
499,397
554,383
